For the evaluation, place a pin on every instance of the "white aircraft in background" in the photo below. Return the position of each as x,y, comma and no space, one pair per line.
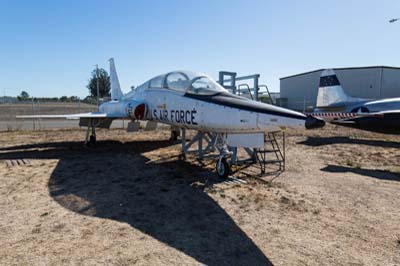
335,106
189,100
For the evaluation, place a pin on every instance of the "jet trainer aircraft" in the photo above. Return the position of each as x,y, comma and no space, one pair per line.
189,100
335,106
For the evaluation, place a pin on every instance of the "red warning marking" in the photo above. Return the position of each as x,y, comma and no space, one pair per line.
333,115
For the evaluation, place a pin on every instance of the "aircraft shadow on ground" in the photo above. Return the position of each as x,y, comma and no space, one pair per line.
322,141
379,174
162,200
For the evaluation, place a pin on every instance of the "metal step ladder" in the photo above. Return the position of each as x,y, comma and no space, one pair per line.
273,152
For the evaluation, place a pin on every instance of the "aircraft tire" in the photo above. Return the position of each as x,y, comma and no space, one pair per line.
174,136
223,168
92,140
182,157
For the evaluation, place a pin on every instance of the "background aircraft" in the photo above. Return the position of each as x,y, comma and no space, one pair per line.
189,100
335,106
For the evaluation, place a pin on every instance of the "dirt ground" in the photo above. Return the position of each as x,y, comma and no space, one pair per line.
130,201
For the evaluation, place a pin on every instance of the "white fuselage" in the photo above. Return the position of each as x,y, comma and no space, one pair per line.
175,108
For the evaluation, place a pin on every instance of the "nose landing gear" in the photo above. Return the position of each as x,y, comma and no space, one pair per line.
214,141
174,135
223,167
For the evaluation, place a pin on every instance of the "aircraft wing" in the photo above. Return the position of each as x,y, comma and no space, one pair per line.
67,116
346,117
380,114
381,122
387,112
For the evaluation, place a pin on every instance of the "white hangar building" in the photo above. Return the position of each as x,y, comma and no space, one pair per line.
299,92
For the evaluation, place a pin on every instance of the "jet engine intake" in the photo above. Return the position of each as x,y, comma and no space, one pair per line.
136,111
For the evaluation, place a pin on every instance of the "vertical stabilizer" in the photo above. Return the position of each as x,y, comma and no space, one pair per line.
116,93
330,91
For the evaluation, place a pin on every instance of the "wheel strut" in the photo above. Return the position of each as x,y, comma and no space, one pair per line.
223,168
90,133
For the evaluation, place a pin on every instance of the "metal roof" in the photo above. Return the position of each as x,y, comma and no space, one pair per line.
342,68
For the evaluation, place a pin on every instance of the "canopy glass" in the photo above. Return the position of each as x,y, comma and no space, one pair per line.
187,82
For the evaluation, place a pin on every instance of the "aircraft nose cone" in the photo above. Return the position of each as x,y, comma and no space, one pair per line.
312,122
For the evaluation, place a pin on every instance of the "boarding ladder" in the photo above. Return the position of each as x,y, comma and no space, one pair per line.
273,152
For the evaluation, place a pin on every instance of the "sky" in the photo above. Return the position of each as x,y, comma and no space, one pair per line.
49,48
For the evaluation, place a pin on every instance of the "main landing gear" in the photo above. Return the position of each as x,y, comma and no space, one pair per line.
174,135
223,167
90,139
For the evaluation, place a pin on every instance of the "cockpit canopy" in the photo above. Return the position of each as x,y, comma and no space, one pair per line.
186,82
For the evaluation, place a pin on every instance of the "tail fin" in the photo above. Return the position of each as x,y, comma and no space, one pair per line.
116,92
330,91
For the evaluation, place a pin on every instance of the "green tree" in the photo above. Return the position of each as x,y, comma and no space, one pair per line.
104,83
73,98
64,99
23,96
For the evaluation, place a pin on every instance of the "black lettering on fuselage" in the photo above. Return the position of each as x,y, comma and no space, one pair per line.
162,115
192,116
166,115
176,116
182,116
187,117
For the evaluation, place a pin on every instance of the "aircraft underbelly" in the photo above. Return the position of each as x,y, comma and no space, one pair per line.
226,119
275,122
236,120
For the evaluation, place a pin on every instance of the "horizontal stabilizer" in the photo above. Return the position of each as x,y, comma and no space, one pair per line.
67,116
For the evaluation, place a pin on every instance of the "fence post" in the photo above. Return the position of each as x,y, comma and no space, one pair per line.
33,113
